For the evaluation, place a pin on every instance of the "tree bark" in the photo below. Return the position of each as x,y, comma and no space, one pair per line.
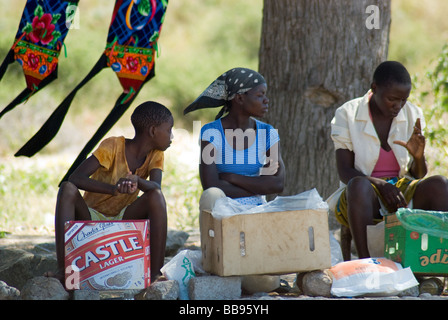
316,55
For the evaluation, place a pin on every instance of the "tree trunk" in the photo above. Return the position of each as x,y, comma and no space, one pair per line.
316,55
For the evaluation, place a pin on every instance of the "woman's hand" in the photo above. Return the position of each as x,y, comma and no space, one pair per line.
392,197
416,143
416,148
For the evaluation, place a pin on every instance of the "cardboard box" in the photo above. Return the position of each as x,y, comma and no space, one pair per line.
423,253
265,243
107,255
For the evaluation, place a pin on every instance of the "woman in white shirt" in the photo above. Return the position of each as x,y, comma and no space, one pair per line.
380,156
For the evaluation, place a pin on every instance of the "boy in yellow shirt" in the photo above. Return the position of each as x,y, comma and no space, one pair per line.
112,178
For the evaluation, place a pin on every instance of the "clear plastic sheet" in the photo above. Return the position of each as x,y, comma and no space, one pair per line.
225,207
434,223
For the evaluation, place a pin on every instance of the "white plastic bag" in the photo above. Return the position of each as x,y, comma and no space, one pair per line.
370,277
336,251
306,200
182,268
226,207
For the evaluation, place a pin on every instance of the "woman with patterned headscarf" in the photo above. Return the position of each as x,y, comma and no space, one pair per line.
240,155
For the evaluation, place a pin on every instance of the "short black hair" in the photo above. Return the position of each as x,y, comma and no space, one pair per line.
389,72
149,114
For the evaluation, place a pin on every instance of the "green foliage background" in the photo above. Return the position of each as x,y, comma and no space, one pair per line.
200,39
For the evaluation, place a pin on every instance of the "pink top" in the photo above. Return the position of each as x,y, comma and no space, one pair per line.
386,166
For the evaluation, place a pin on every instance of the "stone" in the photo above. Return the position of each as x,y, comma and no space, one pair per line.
86,295
8,293
317,283
433,286
15,267
43,288
126,294
411,292
259,283
214,288
174,241
18,266
160,290
45,248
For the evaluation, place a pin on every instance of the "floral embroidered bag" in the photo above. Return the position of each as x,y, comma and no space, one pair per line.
38,43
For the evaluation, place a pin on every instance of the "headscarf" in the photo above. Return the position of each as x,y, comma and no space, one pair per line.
225,88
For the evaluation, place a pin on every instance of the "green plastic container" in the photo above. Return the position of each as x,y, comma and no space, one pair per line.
424,253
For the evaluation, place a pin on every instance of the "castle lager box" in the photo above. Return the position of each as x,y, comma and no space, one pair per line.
423,253
107,255
265,243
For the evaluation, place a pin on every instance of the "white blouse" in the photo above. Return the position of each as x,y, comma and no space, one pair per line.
353,129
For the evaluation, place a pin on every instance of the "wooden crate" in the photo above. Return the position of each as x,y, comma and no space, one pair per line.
265,243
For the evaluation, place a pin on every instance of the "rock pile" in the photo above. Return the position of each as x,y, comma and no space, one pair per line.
7,292
22,269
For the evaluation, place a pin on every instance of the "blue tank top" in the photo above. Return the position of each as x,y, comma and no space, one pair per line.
246,162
